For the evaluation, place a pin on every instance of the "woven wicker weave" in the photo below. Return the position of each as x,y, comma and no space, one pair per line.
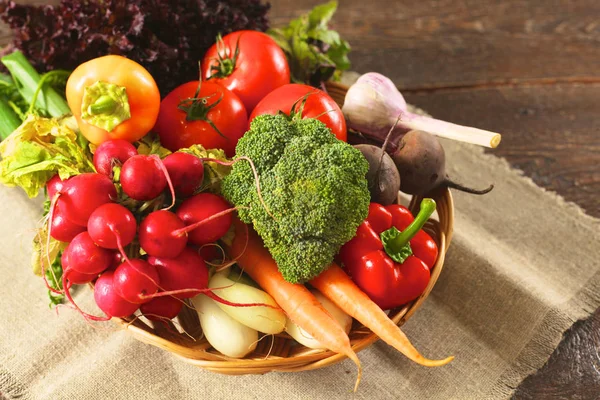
281,352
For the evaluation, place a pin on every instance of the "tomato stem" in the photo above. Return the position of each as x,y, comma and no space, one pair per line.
225,64
197,109
298,107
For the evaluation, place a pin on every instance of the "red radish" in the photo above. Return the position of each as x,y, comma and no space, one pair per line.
186,172
77,278
117,260
157,234
54,185
186,271
83,193
61,228
74,277
87,257
142,177
211,253
112,152
186,276
109,301
161,308
64,260
112,226
135,279
200,207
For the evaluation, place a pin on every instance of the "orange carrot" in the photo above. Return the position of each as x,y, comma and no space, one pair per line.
299,304
337,286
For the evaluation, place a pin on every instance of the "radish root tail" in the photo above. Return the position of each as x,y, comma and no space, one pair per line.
221,300
70,298
191,227
162,167
209,292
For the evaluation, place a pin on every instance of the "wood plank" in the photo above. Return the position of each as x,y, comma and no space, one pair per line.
550,132
448,43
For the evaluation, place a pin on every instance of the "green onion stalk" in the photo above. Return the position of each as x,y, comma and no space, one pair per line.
25,91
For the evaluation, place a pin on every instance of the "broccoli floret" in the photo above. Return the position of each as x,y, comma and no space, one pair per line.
313,184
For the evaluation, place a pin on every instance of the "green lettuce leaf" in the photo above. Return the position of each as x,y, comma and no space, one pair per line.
39,149
315,53
150,144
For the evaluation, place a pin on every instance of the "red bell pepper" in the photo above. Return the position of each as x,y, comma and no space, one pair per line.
390,257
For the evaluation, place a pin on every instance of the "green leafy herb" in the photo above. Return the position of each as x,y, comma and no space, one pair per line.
315,53
39,149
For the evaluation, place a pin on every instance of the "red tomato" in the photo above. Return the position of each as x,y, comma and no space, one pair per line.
259,67
179,128
318,105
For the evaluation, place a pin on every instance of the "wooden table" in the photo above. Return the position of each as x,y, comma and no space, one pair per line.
528,69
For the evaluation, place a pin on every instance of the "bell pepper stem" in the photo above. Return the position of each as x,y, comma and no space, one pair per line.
427,208
103,105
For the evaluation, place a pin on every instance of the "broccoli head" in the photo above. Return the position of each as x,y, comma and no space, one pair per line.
313,184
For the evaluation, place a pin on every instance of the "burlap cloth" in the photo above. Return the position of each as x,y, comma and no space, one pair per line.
522,268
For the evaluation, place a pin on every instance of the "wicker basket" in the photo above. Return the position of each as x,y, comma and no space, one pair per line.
281,352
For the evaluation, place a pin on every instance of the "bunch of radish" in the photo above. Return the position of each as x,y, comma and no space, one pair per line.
105,237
